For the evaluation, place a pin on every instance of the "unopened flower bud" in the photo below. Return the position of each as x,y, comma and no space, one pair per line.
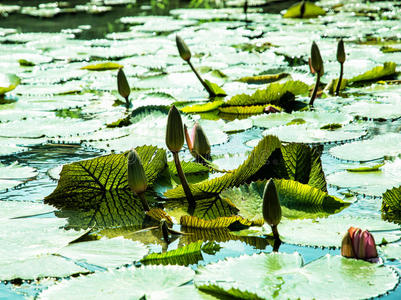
316,59
201,142
122,83
340,51
174,130
136,174
183,49
271,204
346,246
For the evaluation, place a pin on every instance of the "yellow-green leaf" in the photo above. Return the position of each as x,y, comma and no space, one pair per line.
102,66
311,10
200,108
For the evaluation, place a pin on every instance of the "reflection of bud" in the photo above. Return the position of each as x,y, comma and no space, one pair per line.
174,130
198,143
316,59
271,204
122,83
340,52
183,48
136,174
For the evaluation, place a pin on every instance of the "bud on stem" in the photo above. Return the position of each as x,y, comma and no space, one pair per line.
174,130
123,86
341,60
316,64
183,180
137,178
271,207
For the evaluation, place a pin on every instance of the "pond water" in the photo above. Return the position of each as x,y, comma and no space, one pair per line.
61,112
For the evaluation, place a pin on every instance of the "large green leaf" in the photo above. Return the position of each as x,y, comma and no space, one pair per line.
246,110
255,161
378,72
275,93
391,204
187,255
8,82
284,276
297,200
82,183
200,108
217,91
221,222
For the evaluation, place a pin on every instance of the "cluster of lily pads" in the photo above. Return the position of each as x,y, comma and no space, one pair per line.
158,224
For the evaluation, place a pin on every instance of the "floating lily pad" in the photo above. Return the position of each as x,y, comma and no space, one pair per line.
103,66
387,144
374,110
14,174
152,282
378,72
373,183
310,135
328,232
391,251
281,275
39,267
8,82
108,253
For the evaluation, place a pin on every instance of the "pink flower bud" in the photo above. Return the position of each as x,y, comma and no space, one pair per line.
362,243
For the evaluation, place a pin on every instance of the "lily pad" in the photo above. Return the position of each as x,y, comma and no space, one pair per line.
8,82
378,72
387,144
310,9
283,276
152,282
328,232
14,175
108,253
39,267
374,110
103,66
373,183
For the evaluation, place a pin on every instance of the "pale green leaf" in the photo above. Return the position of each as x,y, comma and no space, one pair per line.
262,79
8,82
217,91
200,108
311,11
378,72
103,66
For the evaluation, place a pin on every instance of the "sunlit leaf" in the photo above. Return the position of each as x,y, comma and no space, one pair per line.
261,79
217,91
200,108
246,110
311,10
103,66
8,82
221,222
378,72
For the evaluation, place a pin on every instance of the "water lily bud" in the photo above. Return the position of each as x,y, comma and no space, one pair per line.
174,130
201,144
367,246
340,52
136,174
122,83
271,204
183,49
346,246
316,59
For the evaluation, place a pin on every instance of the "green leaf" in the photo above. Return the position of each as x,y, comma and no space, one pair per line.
255,161
246,110
217,91
188,167
284,276
331,87
221,222
391,204
331,126
262,79
102,66
80,179
184,256
297,200
311,11
388,49
374,168
199,108
8,82
275,93
388,69
26,63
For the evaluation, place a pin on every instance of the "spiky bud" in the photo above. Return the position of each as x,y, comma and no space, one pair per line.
174,130
136,174
340,52
271,204
183,49
201,144
316,59
122,83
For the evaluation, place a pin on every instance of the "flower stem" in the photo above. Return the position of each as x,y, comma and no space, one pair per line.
312,98
275,232
144,202
207,88
183,180
340,79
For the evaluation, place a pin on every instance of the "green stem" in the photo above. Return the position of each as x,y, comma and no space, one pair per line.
340,79
312,99
207,88
275,232
183,180
144,202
